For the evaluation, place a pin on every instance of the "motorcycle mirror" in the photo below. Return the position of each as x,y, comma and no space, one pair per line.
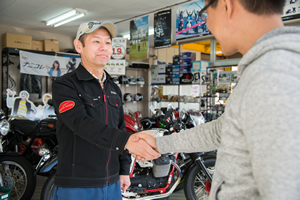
50,102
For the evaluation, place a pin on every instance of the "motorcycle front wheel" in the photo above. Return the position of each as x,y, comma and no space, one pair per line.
48,188
196,182
18,174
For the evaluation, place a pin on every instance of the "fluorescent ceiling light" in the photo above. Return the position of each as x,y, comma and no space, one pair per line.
68,20
66,17
219,52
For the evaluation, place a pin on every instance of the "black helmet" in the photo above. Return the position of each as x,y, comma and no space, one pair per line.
123,79
115,79
138,97
131,80
127,97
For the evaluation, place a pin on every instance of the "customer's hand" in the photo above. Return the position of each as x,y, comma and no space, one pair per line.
143,144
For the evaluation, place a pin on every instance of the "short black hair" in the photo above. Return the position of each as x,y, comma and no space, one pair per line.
260,7
82,37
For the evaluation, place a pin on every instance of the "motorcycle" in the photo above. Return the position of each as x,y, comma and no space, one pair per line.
16,172
35,141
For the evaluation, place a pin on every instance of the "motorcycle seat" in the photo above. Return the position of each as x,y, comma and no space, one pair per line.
23,126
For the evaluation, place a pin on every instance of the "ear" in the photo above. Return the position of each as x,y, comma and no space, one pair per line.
228,6
78,46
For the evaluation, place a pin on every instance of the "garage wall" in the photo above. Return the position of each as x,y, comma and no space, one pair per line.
65,42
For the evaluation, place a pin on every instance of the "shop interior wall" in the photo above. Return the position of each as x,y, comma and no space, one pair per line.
65,42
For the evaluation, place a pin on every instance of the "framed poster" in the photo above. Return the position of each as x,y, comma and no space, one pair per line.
162,29
117,62
139,40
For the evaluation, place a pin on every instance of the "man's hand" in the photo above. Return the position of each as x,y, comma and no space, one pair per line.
145,147
124,182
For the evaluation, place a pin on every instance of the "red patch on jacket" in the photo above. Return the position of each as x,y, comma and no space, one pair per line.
66,105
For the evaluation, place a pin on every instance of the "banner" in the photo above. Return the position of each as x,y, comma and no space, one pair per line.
47,65
117,62
162,29
139,39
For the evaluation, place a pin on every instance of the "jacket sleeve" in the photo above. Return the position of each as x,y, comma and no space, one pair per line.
71,111
125,158
205,137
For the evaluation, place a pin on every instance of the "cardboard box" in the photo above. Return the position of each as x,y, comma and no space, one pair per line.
154,70
161,79
16,41
153,79
188,55
200,65
169,70
196,77
176,60
185,69
37,45
51,45
162,69
169,79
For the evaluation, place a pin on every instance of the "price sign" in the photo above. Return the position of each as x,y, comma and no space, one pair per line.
118,52
116,65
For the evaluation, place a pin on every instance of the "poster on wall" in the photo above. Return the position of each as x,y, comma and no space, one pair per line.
116,64
162,29
47,65
139,39
291,10
188,22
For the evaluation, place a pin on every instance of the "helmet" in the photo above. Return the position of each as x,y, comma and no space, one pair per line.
123,79
138,97
127,97
131,80
115,78
140,80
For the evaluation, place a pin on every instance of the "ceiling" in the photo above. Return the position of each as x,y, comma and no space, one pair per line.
32,14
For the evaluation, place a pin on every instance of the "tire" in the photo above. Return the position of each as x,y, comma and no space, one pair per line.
18,175
196,179
48,188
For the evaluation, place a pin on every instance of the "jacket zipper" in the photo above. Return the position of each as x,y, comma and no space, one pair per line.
106,124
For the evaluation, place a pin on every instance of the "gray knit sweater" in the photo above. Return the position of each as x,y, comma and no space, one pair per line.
258,136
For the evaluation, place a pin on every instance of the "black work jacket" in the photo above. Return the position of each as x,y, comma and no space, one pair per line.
90,130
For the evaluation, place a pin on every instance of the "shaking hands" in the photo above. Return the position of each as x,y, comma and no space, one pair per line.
143,146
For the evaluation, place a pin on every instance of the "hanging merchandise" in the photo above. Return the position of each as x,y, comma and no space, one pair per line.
127,97
131,80
123,79
162,29
139,40
138,97
31,83
140,80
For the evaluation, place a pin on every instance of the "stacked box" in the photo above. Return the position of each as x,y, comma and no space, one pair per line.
176,60
198,67
16,41
176,74
186,62
169,70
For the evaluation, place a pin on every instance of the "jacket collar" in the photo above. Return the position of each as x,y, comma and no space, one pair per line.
83,74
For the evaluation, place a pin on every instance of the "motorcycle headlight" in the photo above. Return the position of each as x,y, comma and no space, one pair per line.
2,114
136,126
4,127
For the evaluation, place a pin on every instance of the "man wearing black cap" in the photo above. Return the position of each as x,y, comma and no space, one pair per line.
93,162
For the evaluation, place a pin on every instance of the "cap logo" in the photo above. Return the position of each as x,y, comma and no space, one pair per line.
90,25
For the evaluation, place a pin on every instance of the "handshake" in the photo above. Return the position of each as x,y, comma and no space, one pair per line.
142,146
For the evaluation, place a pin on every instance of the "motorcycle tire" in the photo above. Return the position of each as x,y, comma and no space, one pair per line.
18,175
196,179
48,188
